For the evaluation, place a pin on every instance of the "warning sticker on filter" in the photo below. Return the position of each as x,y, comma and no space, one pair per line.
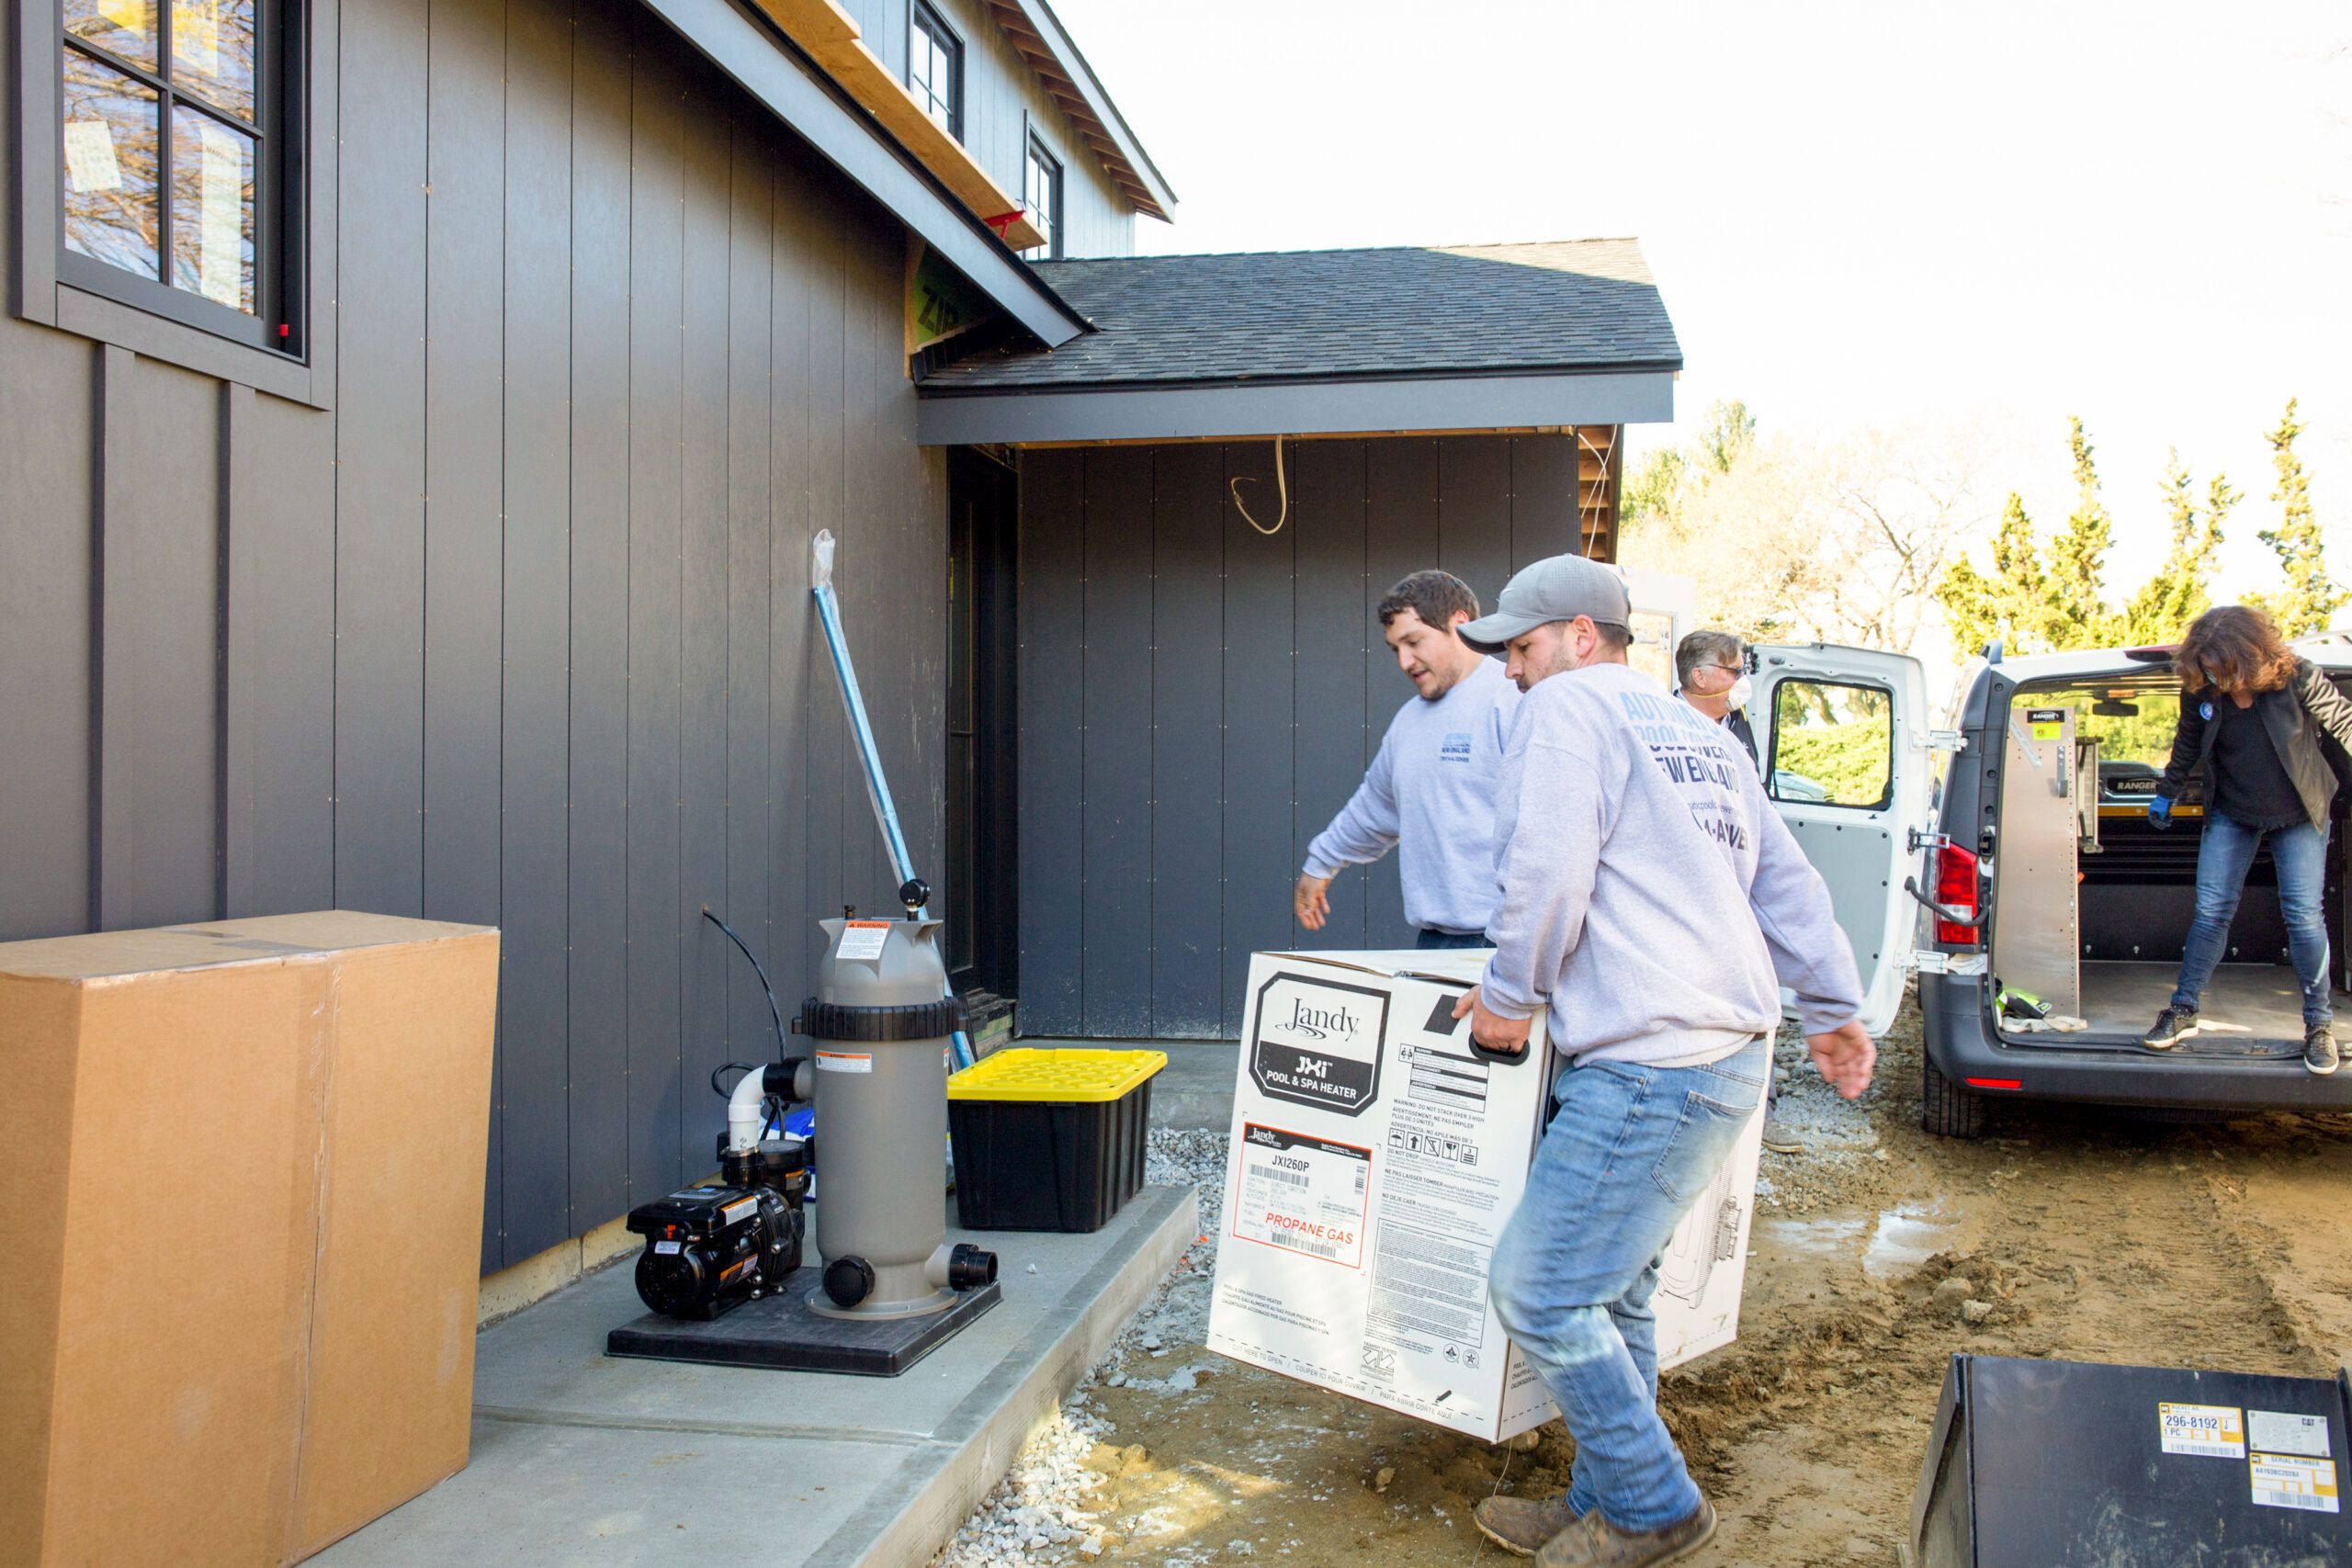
864,939
2291,1481
2209,1431
1306,1195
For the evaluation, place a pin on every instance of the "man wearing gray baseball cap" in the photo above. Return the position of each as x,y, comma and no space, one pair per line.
1630,837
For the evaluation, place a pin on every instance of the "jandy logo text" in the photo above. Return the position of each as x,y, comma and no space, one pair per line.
1317,1042
1321,1023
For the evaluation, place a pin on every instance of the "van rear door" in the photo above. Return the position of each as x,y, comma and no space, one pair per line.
1843,738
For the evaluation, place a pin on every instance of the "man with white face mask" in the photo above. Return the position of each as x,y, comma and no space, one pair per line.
1711,669
1650,905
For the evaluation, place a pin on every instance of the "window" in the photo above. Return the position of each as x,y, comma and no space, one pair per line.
1832,745
1041,195
935,68
172,177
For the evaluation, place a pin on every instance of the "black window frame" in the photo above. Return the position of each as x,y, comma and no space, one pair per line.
1773,758
294,259
923,20
1038,151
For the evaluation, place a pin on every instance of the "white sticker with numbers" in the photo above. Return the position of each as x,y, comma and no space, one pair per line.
2212,1431
2273,1432
2291,1481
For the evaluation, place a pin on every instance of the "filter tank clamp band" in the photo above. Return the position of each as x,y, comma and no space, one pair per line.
914,1021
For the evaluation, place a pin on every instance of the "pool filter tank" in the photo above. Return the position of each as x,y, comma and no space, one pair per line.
880,1026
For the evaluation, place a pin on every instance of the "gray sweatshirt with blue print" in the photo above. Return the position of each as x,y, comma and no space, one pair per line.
1430,795
1651,902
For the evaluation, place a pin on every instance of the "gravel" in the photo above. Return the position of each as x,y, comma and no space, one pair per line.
1037,1514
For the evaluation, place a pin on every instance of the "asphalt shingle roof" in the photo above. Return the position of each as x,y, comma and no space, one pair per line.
1568,305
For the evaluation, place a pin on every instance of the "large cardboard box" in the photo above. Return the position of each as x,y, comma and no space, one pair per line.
1374,1162
241,1177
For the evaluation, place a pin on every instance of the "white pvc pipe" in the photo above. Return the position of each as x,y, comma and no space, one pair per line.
745,1118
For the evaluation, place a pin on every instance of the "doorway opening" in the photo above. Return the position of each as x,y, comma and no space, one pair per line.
983,939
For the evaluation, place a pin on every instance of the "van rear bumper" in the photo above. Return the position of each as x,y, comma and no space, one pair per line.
1960,1042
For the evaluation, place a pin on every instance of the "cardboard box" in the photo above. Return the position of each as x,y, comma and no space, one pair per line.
241,1177
1374,1163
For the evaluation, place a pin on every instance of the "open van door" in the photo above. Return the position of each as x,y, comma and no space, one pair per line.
1843,742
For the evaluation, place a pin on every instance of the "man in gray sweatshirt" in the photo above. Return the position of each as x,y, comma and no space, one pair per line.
1652,905
1430,792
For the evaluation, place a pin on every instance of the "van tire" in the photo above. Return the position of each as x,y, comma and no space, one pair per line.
1948,1109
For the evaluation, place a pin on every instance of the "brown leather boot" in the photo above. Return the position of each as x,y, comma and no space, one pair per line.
1593,1542
1522,1524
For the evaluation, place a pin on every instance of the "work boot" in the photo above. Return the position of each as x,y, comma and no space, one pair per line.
2173,1025
1593,1542
2319,1049
1522,1524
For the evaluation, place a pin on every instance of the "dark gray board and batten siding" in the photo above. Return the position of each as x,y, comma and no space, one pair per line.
517,630
1197,699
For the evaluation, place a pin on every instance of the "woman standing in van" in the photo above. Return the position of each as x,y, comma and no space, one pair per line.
2254,719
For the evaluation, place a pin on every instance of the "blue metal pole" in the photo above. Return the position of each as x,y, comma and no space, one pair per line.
877,787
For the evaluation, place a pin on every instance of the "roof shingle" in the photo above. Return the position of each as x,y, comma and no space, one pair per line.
1569,305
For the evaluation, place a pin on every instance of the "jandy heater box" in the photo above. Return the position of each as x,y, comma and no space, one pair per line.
1374,1162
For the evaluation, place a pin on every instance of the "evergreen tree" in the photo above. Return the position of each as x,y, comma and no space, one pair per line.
1730,431
2311,598
1651,487
2181,590
2078,617
2011,601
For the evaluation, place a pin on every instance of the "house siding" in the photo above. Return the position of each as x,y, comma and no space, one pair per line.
1197,699
517,630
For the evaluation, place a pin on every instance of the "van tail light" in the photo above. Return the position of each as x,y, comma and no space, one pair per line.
1956,891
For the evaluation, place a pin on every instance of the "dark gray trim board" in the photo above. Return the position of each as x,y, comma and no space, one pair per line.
1303,407
761,63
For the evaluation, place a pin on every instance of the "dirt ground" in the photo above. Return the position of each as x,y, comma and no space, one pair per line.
1876,1254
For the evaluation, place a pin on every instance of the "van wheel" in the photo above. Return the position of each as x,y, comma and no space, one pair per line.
1948,1109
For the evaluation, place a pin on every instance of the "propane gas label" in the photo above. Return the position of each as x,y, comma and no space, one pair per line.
2210,1431
1307,1195
844,1062
864,939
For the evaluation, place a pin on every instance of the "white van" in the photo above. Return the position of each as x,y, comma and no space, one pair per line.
2011,863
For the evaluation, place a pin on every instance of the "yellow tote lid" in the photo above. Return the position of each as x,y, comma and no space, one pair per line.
1073,1076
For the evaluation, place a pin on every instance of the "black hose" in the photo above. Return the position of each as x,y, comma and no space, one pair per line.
776,1014
728,1094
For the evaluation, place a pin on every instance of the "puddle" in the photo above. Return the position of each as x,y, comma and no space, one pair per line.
1905,1238
1890,1243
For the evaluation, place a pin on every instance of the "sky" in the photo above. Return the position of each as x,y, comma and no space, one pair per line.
1858,215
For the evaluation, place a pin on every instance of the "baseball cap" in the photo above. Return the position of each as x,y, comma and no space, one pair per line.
1557,587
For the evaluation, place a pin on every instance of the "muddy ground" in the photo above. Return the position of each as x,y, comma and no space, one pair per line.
1875,1255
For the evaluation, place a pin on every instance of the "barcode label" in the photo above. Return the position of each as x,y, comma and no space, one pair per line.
2287,1481
1287,1177
1304,1243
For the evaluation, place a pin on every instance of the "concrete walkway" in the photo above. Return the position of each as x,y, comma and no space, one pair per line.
579,1458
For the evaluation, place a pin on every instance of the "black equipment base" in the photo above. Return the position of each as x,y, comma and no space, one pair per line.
778,1331
2050,1464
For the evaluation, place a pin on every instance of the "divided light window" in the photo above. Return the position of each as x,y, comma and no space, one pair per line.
1041,194
935,68
171,131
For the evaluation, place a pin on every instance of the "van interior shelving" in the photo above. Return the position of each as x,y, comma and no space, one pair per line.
2136,886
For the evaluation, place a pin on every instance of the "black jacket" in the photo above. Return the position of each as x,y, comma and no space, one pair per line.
2309,725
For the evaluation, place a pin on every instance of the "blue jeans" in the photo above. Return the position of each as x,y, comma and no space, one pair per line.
2299,853
1627,1152
1429,937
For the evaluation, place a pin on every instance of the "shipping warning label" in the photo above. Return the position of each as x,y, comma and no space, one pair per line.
1442,1079
2213,1431
1307,1195
1317,1042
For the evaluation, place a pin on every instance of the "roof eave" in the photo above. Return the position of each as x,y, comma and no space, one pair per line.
1350,405
1122,151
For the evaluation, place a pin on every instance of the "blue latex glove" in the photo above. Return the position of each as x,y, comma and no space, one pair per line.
2160,812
